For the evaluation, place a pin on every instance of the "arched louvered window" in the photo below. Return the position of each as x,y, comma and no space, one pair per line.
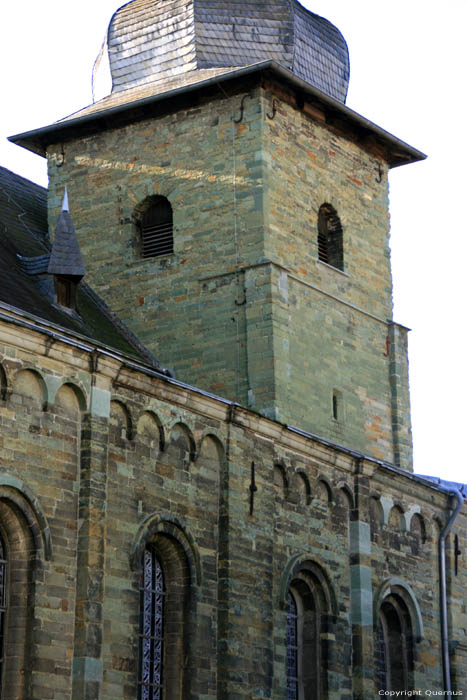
394,653
156,226
3,603
151,628
330,237
306,622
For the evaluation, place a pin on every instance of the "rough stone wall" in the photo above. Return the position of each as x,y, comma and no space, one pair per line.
187,307
147,461
330,325
243,307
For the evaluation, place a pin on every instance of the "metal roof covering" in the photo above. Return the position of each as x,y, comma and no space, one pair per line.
447,485
27,288
154,40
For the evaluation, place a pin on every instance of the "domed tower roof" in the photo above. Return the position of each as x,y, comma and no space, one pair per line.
156,40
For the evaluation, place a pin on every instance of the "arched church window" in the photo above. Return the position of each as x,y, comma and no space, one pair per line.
151,639
306,659
156,227
166,613
3,603
394,653
330,237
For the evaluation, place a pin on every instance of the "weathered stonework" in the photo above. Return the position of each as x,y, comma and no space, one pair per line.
168,464
255,530
244,307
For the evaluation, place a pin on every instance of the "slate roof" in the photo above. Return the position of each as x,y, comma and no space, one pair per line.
156,40
26,286
66,258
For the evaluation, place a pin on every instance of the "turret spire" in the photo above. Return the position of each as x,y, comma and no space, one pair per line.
66,263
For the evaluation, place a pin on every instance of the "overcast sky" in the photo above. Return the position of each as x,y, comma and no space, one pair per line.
407,74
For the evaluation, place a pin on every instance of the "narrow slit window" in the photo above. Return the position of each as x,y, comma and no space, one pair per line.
337,405
156,226
330,237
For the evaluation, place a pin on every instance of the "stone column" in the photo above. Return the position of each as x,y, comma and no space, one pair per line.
361,596
87,661
400,399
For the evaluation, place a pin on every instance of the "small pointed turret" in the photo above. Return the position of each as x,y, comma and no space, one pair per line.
66,263
66,256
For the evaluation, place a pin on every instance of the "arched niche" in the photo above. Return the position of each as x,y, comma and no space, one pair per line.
376,516
396,519
150,430
417,533
281,482
211,449
345,495
181,448
323,495
70,400
120,421
302,488
29,389
206,474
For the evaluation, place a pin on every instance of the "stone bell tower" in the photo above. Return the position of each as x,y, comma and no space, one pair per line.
234,213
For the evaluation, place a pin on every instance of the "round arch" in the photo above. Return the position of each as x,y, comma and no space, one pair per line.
14,490
303,562
397,586
154,525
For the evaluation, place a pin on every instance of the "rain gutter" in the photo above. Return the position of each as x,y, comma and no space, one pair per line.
443,590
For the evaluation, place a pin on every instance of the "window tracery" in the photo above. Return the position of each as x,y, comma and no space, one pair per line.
151,639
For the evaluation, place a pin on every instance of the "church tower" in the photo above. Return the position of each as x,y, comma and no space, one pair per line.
234,213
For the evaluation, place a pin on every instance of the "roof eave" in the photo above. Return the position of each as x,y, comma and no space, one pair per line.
400,153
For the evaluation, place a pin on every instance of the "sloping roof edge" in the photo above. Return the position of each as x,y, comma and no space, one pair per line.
37,140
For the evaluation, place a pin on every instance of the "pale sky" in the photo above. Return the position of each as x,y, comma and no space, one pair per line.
407,74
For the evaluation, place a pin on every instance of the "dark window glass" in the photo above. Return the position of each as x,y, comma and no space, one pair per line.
394,654
381,660
151,628
306,660
292,649
330,237
156,228
3,604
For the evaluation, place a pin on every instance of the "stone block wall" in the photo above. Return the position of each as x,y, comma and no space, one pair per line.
98,462
245,190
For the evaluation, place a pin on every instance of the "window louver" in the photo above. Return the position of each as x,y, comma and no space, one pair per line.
330,237
157,229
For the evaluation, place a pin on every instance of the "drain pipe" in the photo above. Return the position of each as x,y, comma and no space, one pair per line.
443,593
